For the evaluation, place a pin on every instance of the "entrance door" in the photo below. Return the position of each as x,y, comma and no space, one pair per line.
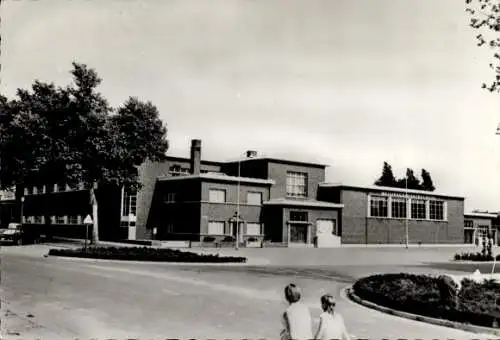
468,236
298,233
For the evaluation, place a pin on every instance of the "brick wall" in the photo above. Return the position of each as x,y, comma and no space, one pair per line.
357,228
277,172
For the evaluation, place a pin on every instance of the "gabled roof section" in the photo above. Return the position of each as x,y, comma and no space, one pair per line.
306,203
375,188
219,177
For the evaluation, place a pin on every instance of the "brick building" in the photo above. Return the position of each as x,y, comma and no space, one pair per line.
373,214
257,198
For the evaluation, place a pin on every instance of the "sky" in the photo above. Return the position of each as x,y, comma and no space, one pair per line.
348,83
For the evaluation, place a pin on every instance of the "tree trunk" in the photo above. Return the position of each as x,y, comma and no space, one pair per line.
93,201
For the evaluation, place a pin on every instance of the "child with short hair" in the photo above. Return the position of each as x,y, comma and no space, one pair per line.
296,319
331,324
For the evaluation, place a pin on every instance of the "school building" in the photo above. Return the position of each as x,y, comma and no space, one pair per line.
481,224
256,198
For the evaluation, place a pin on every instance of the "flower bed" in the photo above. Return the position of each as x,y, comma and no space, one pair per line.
437,297
144,254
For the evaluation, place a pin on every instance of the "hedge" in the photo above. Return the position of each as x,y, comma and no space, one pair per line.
144,254
437,297
476,257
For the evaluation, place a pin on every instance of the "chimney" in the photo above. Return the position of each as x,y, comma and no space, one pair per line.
251,154
195,156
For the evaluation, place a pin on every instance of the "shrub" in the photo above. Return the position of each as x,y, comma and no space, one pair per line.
438,297
144,254
477,257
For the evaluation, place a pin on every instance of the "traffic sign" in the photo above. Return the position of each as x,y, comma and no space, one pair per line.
87,220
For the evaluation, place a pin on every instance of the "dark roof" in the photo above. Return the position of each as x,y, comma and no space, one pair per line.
277,160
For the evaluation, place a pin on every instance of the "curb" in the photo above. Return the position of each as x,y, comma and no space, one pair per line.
439,322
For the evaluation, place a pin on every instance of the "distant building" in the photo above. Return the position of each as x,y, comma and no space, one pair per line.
378,215
8,207
480,224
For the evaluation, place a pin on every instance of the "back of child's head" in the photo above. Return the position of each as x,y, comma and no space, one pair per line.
292,293
328,303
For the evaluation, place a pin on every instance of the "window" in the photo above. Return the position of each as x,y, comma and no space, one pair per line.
177,170
217,196
129,202
436,210
29,190
52,219
378,206
39,219
299,216
296,184
216,228
26,191
418,208
60,219
254,198
73,219
469,224
170,228
40,189
254,229
23,219
398,206
171,197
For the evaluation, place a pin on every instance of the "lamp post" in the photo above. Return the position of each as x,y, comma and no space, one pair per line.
238,209
408,211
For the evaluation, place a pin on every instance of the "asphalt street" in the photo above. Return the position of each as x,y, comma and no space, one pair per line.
51,297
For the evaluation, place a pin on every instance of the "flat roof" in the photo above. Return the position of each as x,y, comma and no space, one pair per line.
185,159
307,203
391,189
484,215
219,177
277,160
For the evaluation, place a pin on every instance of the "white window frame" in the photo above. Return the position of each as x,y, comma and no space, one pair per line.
61,219
73,219
294,186
214,198
399,203
254,224
128,202
219,224
417,202
252,201
372,207
434,218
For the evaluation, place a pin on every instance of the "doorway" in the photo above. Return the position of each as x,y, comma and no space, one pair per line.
298,233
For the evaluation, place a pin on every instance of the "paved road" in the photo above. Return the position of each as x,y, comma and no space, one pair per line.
79,298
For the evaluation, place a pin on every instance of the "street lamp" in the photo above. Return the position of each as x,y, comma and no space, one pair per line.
238,208
407,211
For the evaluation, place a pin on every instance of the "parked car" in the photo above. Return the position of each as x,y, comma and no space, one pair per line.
18,234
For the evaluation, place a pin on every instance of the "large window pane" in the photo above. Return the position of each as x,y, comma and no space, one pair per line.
378,206
436,210
398,207
217,196
254,198
254,229
216,228
296,184
418,209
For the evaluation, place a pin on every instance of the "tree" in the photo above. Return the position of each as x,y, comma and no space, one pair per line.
387,178
485,19
410,181
72,133
427,181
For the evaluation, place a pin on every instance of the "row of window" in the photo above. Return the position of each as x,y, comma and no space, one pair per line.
396,207
71,219
46,189
226,228
219,196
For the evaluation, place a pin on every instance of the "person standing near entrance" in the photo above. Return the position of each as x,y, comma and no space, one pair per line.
296,318
331,323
